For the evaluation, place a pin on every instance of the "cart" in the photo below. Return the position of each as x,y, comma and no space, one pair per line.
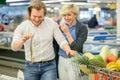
89,72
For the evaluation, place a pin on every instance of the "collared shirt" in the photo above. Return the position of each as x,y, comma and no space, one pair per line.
43,39
72,32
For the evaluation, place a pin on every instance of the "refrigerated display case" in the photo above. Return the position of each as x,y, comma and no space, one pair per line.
97,39
95,47
10,61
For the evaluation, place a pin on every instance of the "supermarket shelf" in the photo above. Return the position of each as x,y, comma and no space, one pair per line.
8,71
12,63
103,43
10,66
12,59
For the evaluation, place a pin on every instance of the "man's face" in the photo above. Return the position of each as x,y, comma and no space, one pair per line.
37,16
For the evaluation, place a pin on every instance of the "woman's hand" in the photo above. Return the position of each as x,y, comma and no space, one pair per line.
70,52
64,28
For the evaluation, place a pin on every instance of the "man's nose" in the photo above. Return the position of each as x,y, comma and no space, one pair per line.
36,19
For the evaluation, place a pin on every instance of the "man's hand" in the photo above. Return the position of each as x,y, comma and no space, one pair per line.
26,37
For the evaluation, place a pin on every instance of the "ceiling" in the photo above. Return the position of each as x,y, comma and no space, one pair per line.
97,1
81,3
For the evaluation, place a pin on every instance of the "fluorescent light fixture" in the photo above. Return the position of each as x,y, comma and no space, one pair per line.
18,4
96,1
27,3
50,1
64,0
102,1
79,3
14,0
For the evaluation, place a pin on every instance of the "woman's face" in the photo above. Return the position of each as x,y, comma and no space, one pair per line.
70,18
37,16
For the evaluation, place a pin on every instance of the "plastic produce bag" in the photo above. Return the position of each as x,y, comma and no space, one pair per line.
20,75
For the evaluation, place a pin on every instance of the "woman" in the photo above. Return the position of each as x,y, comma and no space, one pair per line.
76,34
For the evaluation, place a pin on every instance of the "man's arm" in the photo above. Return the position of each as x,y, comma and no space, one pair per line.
17,45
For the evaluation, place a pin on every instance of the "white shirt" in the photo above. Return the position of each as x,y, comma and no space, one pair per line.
43,39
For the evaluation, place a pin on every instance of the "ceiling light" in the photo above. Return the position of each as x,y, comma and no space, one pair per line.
79,3
14,0
18,4
50,1
102,1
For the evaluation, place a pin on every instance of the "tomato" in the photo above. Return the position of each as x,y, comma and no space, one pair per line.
111,58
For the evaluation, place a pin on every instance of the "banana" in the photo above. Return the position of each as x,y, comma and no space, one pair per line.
118,63
109,64
114,69
112,66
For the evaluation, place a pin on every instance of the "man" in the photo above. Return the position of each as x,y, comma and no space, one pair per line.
93,23
37,34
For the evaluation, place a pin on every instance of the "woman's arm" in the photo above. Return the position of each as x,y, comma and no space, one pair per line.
65,29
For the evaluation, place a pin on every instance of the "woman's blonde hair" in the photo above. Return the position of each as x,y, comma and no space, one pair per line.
69,8
37,4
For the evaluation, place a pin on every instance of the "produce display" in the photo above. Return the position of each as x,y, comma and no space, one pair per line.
107,58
